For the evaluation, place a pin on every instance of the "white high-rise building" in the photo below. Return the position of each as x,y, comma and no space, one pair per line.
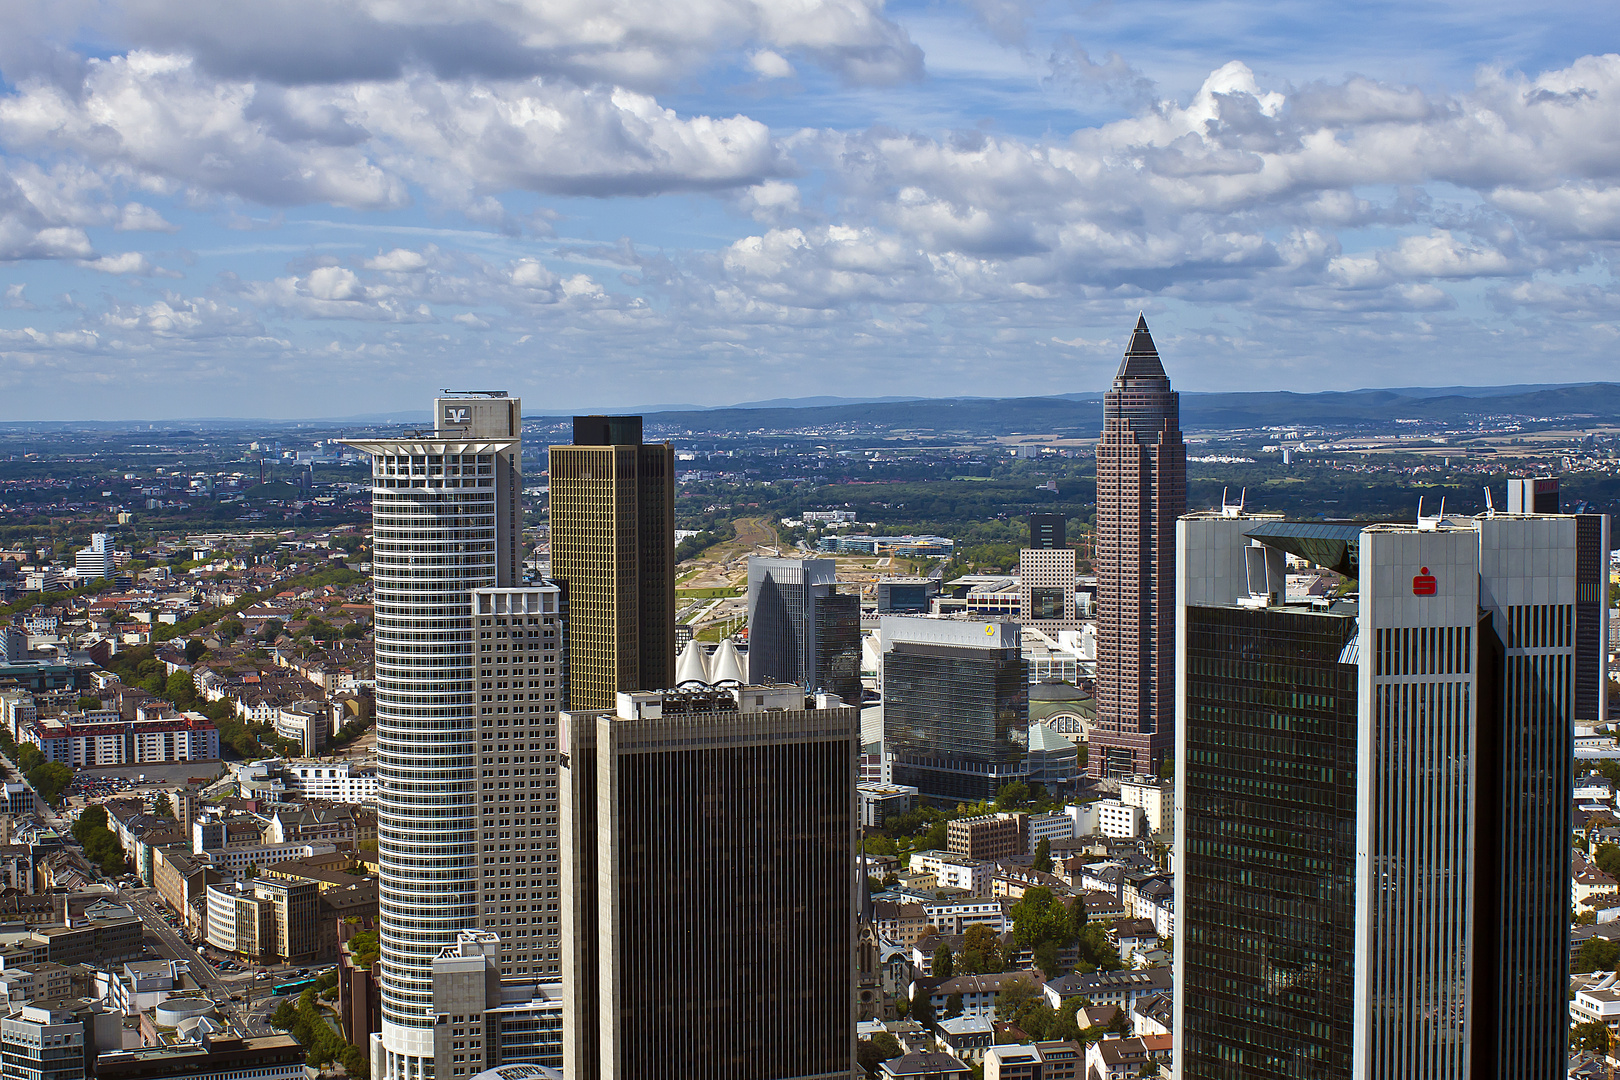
96,560
446,538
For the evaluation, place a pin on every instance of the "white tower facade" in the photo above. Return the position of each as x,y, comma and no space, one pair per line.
446,520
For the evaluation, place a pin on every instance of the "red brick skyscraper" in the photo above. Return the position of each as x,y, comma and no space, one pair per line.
1141,491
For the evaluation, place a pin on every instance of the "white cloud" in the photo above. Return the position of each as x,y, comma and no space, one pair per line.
770,65
126,262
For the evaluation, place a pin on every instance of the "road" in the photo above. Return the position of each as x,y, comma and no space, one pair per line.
168,943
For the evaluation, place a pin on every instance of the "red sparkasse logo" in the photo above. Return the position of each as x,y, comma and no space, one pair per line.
1424,583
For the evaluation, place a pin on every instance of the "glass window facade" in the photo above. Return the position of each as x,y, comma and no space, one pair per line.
957,719
1267,909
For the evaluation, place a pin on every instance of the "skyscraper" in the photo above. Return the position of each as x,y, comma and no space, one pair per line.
709,838
1141,491
446,532
613,551
1372,800
955,706
801,629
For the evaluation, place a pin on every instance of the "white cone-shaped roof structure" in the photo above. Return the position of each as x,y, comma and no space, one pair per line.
690,665
727,665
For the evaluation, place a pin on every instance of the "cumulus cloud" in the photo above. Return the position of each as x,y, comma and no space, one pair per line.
127,262
164,122
638,43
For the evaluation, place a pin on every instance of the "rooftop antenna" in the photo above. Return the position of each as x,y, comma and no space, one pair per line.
1430,524
1228,510
474,393
1490,507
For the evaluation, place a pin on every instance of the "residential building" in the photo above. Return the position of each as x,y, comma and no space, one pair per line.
955,915
1155,797
1141,491
954,871
750,791
1406,931
613,551
1048,827
955,706
978,991
801,629
1119,989
925,1065
1123,1059
987,838
95,561
898,922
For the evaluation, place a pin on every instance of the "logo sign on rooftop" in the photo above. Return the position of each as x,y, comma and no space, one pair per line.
1424,583
458,415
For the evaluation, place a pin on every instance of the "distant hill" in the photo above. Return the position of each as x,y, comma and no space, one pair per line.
1076,415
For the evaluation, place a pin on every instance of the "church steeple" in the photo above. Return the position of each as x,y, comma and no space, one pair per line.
1141,357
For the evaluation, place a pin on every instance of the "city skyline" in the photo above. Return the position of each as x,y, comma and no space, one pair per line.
701,207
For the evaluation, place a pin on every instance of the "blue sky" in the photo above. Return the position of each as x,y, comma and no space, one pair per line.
299,209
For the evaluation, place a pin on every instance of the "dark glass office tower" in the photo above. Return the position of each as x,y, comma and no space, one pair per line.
955,707
711,873
800,629
613,551
1270,858
1454,940
1141,490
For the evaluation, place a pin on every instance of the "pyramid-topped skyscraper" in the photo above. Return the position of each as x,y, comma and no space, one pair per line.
1141,491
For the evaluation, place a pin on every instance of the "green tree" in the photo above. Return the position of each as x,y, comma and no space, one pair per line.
1607,857
1013,795
195,650
181,690
89,702
29,757
943,965
953,1006
1043,857
1597,954
1040,916
284,1015
1046,958
229,629
161,806
49,780
1077,915
981,952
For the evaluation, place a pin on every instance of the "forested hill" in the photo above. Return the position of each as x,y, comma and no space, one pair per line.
1081,415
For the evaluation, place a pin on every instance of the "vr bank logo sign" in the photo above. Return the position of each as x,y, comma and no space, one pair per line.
460,415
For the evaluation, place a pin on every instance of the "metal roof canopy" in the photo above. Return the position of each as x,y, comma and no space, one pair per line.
1334,546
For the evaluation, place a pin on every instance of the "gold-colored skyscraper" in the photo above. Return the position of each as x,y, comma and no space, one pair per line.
613,551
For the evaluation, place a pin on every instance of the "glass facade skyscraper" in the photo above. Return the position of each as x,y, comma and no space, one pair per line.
1444,699
955,706
613,551
1270,856
801,629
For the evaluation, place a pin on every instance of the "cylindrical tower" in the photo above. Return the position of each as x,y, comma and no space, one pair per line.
445,521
